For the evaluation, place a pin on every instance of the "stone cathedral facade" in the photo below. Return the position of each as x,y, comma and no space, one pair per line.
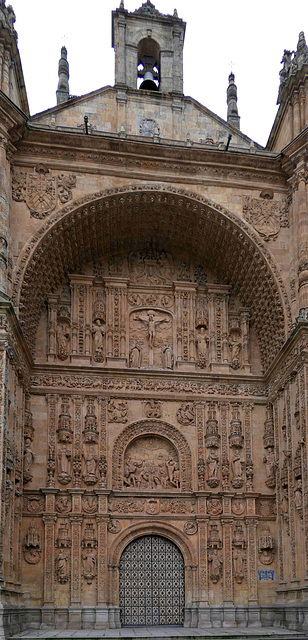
153,347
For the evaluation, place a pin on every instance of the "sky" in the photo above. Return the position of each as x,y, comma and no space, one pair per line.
249,36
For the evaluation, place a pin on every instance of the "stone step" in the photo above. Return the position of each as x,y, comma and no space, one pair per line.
163,633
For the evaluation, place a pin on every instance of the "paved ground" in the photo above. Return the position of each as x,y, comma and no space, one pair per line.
148,633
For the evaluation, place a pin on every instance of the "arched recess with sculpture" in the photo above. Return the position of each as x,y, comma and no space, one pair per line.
151,455
101,231
152,528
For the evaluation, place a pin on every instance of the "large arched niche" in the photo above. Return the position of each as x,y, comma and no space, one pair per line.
159,429
110,222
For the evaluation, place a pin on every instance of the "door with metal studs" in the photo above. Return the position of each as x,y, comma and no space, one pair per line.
152,583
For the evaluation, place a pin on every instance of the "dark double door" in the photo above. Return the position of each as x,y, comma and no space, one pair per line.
152,583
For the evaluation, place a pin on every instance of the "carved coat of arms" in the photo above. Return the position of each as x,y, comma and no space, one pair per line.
266,215
41,190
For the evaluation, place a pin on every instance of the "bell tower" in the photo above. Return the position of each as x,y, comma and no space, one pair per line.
148,49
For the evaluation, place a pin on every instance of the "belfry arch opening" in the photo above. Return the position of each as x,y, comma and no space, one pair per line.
148,65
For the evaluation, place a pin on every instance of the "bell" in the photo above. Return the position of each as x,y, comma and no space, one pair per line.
148,82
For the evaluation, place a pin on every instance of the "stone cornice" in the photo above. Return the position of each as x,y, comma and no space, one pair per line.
68,147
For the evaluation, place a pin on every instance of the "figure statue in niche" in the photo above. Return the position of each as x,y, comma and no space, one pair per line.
89,565
167,356
63,338
298,495
216,565
213,466
202,343
62,567
238,565
237,469
235,349
90,466
270,466
32,544
135,356
98,340
64,465
28,461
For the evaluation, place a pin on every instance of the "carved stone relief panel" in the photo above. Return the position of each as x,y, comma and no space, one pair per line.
41,190
151,462
151,332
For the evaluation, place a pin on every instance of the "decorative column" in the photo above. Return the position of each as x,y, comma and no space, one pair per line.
200,423
52,400
248,407
117,322
48,610
102,577
81,306
244,316
229,611
52,328
185,301
218,326
204,611
4,209
303,382
254,609
75,604
298,181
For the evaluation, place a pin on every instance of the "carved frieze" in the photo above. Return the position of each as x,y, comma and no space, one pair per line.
152,506
41,190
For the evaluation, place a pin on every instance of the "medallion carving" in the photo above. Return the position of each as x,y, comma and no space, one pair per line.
89,504
214,506
190,527
186,413
238,506
33,503
63,503
114,526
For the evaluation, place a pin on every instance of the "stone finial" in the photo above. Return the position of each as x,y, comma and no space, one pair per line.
121,4
232,114
63,72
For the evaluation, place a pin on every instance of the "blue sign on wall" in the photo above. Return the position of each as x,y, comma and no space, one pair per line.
265,574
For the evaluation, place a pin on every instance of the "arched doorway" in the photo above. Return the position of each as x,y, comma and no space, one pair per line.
151,583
